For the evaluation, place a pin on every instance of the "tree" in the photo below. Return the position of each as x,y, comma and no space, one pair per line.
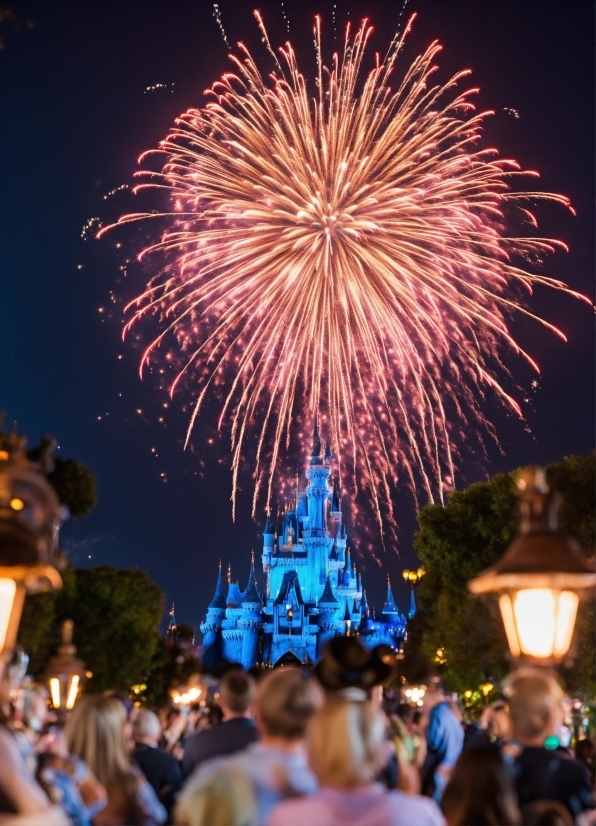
73,482
116,614
469,533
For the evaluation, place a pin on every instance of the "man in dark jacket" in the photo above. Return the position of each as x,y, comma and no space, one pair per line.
234,733
161,769
540,773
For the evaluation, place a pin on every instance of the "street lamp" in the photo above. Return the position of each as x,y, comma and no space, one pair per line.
413,577
540,579
64,673
30,517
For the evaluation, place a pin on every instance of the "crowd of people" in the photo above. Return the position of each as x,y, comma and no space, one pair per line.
290,747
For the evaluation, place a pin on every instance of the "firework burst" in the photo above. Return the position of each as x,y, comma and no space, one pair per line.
345,249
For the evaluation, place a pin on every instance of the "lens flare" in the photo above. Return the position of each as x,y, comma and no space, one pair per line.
341,250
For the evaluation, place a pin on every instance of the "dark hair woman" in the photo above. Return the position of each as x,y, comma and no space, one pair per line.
480,791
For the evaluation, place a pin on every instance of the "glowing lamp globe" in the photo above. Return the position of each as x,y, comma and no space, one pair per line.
30,517
540,579
64,674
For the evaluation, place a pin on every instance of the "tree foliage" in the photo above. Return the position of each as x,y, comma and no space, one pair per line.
471,532
116,614
75,485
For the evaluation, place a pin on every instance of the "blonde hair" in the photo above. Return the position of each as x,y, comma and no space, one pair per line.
533,700
95,734
344,743
286,700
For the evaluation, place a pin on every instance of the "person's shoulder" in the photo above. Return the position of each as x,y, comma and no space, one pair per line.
292,812
415,808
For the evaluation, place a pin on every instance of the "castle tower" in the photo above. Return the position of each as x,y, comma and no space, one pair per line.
316,540
216,613
268,540
251,620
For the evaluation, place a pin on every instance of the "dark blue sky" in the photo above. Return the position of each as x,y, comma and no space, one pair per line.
75,115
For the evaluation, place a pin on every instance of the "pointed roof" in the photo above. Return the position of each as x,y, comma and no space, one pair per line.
363,603
328,454
390,607
335,506
347,614
290,581
333,555
413,606
328,597
251,594
219,600
316,441
355,609
268,526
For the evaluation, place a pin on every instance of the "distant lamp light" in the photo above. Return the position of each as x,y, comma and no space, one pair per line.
486,688
540,579
65,673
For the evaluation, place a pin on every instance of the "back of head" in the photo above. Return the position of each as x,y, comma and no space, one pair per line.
534,698
345,741
546,813
237,691
95,734
480,790
146,727
286,701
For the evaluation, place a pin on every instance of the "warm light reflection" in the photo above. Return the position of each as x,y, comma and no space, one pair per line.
55,691
72,694
509,623
8,589
540,621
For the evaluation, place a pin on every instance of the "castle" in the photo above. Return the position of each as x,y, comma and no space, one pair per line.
313,591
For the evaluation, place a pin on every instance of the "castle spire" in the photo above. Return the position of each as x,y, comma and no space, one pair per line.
363,604
251,594
390,607
328,454
413,607
316,442
219,600
171,632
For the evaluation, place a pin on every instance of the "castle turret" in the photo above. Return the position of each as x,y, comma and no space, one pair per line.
328,454
335,511
216,613
251,620
390,609
268,539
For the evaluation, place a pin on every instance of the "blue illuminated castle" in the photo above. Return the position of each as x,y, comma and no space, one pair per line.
312,592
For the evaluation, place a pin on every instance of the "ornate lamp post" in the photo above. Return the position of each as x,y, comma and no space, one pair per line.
412,578
540,579
30,517
64,673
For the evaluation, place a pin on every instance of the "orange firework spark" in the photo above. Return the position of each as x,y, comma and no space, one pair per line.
346,252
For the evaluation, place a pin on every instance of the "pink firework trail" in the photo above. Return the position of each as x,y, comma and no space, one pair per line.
343,249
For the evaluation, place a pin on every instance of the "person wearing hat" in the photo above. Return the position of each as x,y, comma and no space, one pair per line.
346,747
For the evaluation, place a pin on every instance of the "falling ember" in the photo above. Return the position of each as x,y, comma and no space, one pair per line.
344,253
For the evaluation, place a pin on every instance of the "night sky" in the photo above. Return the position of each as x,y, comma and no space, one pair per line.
76,113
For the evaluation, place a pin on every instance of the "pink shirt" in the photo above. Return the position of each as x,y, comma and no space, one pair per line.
373,806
